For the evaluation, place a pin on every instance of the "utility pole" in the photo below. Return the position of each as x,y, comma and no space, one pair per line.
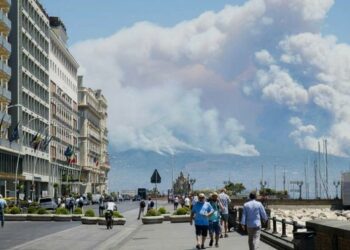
284,179
275,178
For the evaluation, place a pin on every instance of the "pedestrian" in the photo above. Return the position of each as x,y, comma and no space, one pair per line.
142,208
201,212
59,201
187,202
3,204
214,220
253,212
150,204
71,204
225,200
194,200
101,206
176,202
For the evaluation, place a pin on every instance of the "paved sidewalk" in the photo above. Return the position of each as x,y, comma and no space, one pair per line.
179,236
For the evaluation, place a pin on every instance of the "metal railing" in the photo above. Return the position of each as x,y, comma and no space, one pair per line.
284,223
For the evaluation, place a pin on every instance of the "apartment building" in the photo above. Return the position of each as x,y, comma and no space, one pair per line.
29,86
93,138
63,111
8,152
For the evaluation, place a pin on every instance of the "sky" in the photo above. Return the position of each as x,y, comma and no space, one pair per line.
219,77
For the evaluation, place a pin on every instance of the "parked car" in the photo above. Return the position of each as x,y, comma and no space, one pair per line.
120,198
136,198
48,203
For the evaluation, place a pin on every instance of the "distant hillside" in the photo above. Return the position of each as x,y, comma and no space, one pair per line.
133,168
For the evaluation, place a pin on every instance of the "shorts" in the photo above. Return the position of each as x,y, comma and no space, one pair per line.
214,227
224,217
202,230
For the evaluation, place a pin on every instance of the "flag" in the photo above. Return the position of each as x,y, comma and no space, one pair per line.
46,142
69,154
15,134
36,141
73,159
2,121
96,161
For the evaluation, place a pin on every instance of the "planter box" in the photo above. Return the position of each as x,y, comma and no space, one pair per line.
15,217
40,217
152,219
76,217
62,217
116,221
102,221
89,220
180,218
166,217
119,221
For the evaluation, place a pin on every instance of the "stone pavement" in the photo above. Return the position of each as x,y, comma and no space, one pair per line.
133,236
179,236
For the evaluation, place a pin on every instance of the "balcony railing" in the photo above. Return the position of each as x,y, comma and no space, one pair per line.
5,94
5,70
5,4
5,20
5,46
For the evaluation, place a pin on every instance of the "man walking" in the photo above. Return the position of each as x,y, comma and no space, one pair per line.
201,212
214,220
142,208
225,201
3,204
253,212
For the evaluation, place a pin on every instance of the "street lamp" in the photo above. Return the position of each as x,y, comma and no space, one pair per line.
192,182
336,185
20,148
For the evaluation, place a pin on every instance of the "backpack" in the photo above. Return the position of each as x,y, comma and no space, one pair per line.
70,204
142,204
151,204
80,203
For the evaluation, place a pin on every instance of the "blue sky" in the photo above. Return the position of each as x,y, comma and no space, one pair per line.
222,77
85,19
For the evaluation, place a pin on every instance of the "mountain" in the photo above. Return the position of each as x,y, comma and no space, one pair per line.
133,168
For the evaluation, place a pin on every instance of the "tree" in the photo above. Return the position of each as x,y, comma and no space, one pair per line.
235,188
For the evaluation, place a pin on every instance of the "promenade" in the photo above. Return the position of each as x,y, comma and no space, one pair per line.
133,236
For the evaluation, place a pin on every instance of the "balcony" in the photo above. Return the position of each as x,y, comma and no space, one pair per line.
5,94
5,47
5,23
7,118
5,71
5,4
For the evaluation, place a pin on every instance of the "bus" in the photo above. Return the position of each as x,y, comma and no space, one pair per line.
142,192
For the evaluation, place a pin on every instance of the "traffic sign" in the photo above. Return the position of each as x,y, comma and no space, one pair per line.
155,178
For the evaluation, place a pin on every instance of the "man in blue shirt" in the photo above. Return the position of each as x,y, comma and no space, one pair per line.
3,204
253,212
201,212
214,226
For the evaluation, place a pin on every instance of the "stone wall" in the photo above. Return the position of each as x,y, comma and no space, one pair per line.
330,234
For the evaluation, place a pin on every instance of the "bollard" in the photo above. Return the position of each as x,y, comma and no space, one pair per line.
267,224
284,234
274,225
295,226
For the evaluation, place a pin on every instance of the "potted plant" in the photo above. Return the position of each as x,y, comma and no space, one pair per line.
14,214
62,214
164,213
180,215
77,214
152,217
89,218
40,215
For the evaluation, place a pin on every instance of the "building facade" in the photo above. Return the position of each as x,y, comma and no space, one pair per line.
63,111
29,86
93,138
8,152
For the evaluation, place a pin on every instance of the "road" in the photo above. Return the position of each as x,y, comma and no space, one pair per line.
18,233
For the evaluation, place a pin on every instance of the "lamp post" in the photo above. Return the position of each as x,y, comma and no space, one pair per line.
192,182
336,185
20,148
